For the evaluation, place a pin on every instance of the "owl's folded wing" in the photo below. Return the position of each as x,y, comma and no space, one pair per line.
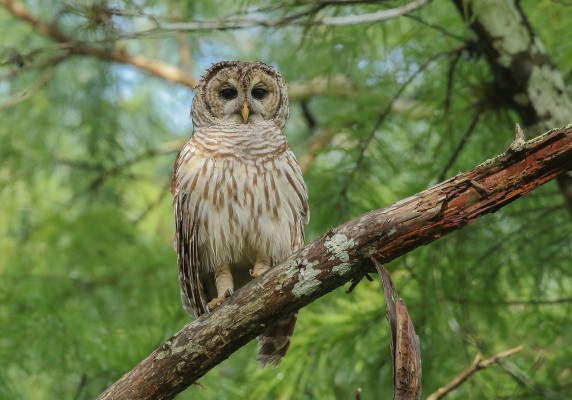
193,291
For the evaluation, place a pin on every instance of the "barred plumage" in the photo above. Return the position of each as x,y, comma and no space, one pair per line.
240,199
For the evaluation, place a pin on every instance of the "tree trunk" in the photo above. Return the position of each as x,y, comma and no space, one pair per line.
524,76
341,255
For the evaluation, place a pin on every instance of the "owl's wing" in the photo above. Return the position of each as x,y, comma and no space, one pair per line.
193,291
299,201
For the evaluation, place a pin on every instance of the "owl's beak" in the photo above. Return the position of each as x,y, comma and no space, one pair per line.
245,111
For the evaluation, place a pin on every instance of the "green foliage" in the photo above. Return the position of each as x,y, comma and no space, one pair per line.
88,278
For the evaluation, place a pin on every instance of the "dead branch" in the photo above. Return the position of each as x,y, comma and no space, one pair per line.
405,350
477,365
339,256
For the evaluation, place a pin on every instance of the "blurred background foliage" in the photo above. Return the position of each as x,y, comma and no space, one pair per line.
88,277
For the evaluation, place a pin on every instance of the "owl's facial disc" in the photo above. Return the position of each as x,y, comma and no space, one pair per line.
245,94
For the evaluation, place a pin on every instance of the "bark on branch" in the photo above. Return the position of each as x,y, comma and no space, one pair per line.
341,255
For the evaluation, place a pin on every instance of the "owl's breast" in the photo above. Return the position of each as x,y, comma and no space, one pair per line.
245,207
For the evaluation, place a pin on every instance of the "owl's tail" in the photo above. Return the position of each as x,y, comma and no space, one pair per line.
274,342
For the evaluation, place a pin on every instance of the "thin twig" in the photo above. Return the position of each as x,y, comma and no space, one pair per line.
48,62
438,28
122,166
29,91
477,365
291,20
318,143
153,67
526,381
461,145
166,190
379,16
450,79
382,116
541,302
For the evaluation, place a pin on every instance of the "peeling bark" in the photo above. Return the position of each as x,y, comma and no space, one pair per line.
405,350
340,255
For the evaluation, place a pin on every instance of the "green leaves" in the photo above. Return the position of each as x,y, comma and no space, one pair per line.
88,277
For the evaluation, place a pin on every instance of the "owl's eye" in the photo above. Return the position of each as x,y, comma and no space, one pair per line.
228,93
259,93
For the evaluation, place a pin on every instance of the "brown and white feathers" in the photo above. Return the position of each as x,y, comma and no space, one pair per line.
240,199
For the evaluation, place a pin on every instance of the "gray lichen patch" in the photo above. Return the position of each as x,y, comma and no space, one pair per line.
162,354
293,268
307,281
342,269
547,91
338,246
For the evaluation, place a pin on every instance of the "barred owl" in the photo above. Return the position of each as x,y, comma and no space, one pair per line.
239,197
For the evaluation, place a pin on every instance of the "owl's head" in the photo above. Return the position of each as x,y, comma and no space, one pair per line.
240,92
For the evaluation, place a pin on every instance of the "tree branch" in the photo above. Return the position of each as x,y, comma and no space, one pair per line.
524,75
339,256
477,365
405,351
153,67
301,19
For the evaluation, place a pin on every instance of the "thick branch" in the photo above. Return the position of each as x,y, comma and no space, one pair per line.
341,255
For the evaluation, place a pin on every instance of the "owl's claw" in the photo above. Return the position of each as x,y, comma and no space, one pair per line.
261,265
254,274
214,303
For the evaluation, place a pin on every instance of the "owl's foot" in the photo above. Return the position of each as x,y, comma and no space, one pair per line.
261,265
214,303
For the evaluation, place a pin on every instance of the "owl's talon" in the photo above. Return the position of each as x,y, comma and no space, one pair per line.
254,274
214,303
